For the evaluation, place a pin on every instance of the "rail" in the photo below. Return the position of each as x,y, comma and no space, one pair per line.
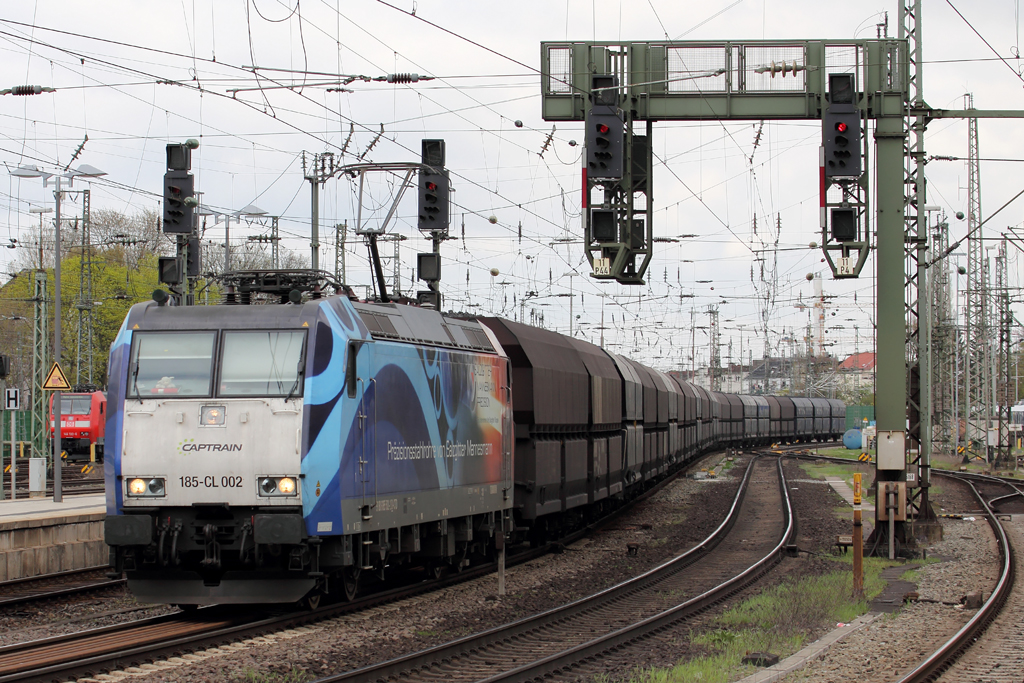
393,668
940,660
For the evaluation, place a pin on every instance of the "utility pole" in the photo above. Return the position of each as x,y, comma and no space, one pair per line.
1001,399
40,361
944,340
317,173
715,363
84,305
340,233
393,262
976,365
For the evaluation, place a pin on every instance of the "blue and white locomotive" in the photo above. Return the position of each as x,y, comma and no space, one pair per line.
271,453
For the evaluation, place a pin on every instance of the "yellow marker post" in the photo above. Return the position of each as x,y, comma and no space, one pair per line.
858,540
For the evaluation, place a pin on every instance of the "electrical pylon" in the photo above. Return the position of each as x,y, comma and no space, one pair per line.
977,369
1001,401
918,442
714,335
40,364
84,305
944,342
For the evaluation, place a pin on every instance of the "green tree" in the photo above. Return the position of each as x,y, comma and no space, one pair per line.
123,274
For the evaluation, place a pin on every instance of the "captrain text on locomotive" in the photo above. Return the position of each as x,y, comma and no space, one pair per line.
266,453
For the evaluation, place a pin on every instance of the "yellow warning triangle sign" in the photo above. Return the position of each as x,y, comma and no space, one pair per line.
56,379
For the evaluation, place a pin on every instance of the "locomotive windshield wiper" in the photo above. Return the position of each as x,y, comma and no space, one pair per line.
135,381
300,370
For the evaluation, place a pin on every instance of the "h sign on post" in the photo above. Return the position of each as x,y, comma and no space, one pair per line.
12,399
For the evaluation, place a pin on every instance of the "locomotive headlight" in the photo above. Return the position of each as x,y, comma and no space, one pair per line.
211,416
276,486
146,487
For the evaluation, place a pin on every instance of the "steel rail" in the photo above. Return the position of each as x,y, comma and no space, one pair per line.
447,651
940,660
54,575
648,627
944,657
44,594
115,656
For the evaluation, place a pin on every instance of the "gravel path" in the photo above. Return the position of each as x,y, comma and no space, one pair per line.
895,643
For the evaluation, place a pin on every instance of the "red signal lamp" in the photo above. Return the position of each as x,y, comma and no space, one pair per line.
601,128
841,127
431,186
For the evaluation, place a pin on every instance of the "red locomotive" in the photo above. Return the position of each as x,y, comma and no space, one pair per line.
83,424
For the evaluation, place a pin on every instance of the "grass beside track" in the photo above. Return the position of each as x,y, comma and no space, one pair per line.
780,619
776,621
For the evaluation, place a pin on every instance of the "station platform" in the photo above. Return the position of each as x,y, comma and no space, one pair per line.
38,536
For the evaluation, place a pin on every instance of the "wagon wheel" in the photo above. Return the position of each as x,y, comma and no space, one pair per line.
459,558
350,584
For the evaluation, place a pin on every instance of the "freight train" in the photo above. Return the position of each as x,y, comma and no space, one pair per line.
276,453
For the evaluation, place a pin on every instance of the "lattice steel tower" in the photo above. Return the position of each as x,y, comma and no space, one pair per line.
916,300
40,360
1001,400
84,305
715,362
977,369
945,339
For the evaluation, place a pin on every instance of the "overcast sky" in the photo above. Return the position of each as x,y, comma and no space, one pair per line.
137,75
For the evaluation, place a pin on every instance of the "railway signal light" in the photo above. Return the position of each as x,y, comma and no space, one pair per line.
432,153
604,134
844,224
428,266
603,227
433,201
841,129
605,140
193,257
168,271
179,202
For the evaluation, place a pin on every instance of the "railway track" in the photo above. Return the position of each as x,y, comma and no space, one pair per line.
60,585
986,648
576,637
76,479
132,643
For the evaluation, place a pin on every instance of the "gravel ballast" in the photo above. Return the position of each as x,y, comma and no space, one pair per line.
671,522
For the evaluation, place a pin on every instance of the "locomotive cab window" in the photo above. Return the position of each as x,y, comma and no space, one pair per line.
75,405
171,364
262,364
